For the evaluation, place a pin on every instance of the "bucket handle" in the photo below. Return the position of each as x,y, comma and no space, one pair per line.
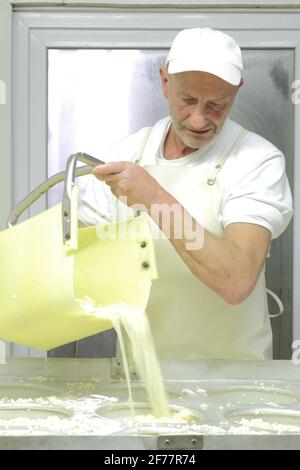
69,177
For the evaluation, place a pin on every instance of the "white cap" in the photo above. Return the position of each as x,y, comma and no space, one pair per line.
206,50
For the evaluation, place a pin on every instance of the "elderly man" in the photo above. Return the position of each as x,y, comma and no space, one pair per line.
227,191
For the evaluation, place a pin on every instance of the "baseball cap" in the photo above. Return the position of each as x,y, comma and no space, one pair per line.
206,50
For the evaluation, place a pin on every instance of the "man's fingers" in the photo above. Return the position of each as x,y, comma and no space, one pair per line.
110,168
111,177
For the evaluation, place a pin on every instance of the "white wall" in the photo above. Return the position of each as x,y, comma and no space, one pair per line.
5,111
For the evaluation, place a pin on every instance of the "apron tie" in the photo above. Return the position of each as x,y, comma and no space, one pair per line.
279,303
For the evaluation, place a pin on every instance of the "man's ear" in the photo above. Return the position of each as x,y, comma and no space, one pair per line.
164,80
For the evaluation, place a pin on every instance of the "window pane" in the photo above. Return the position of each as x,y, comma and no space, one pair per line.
96,97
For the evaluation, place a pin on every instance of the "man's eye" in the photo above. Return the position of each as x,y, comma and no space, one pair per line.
189,100
216,105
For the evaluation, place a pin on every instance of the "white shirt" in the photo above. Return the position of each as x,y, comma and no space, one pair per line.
253,179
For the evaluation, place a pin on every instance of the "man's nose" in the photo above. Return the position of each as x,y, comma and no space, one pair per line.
198,117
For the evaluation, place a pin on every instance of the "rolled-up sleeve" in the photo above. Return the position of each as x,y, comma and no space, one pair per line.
261,196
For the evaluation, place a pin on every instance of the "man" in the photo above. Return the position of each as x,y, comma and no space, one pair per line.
227,194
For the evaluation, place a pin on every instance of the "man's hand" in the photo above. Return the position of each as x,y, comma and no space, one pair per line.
131,183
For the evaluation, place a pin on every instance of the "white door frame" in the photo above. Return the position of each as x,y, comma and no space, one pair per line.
35,32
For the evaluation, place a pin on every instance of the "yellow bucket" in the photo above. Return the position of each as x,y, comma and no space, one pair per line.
43,281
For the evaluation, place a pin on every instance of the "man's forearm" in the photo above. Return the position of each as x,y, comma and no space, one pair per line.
218,263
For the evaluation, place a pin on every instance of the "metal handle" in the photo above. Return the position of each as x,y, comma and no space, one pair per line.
69,177
71,172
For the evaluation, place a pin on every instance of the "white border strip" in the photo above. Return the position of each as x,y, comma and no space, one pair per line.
167,3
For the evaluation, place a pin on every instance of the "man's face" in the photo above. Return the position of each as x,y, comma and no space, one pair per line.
199,103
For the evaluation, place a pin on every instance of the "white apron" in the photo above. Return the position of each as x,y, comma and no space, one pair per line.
188,320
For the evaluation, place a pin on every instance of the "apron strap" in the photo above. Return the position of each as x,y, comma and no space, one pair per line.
138,156
279,303
211,180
